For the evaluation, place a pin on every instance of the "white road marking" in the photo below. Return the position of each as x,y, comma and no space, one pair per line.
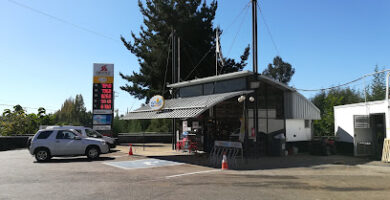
119,156
192,173
113,165
142,164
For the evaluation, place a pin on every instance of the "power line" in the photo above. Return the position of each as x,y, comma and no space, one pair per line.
63,21
344,84
236,18
10,105
167,62
205,55
238,31
269,31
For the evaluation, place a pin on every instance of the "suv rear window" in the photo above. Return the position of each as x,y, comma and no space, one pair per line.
44,134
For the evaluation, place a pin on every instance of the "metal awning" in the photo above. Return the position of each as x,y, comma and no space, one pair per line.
189,107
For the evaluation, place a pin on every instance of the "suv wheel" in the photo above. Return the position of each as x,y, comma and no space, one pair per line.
42,155
92,152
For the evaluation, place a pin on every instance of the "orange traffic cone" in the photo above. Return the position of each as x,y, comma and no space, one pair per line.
131,150
224,162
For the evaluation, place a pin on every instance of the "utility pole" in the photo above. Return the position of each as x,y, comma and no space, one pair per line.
255,67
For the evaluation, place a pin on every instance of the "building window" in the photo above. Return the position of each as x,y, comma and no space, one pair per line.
191,91
230,85
307,123
208,88
361,121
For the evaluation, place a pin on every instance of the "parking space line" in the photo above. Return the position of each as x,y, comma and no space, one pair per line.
192,173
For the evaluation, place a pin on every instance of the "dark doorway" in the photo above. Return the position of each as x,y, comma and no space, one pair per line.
378,130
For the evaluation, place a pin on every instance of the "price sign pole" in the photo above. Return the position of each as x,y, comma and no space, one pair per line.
103,98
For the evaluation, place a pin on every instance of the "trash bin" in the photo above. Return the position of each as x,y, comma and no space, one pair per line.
278,145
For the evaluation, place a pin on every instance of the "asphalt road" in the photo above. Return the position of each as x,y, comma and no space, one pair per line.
77,178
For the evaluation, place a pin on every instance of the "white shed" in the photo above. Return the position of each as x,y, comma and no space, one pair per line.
363,125
300,113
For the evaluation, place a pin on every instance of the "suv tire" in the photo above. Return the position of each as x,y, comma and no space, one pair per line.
42,155
92,152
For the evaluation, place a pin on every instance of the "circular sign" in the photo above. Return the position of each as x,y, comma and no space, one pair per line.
157,102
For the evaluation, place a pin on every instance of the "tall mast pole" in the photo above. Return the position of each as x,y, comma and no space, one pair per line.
178,59
254,35
255,67
173,81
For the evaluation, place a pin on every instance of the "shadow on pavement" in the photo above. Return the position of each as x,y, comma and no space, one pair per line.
143,145
301,160
74,159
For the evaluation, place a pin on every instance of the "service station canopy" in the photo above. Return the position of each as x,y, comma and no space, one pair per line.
190,107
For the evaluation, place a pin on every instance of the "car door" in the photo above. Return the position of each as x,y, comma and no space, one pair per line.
67,144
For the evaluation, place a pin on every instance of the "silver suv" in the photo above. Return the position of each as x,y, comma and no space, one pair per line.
65,142
87,132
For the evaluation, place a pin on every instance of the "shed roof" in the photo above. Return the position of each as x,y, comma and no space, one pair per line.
189,107
360,104
228,76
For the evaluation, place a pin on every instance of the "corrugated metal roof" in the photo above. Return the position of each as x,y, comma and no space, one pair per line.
275,83
298,107
183,107
229,76
221,77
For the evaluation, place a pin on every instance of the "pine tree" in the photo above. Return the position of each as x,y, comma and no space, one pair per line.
378,87
192,21
73,112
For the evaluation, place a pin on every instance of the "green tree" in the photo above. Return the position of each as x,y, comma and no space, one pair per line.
134,126
192,21
280,70
15,122
159,125
41,112
19,122
325,101
377,87
73,112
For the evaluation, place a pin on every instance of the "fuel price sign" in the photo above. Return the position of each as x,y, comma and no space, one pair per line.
103,97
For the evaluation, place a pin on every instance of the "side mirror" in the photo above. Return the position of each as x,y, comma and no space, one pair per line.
77,138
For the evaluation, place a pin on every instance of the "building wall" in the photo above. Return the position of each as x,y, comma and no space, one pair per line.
343,117
296,131
298,107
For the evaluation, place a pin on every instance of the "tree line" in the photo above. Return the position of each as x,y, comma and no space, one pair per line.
326,100
17,121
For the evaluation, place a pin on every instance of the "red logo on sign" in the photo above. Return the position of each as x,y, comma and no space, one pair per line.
103,68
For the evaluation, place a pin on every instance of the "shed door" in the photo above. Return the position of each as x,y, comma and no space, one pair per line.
363,136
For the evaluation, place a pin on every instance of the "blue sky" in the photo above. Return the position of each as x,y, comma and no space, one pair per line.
44,60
